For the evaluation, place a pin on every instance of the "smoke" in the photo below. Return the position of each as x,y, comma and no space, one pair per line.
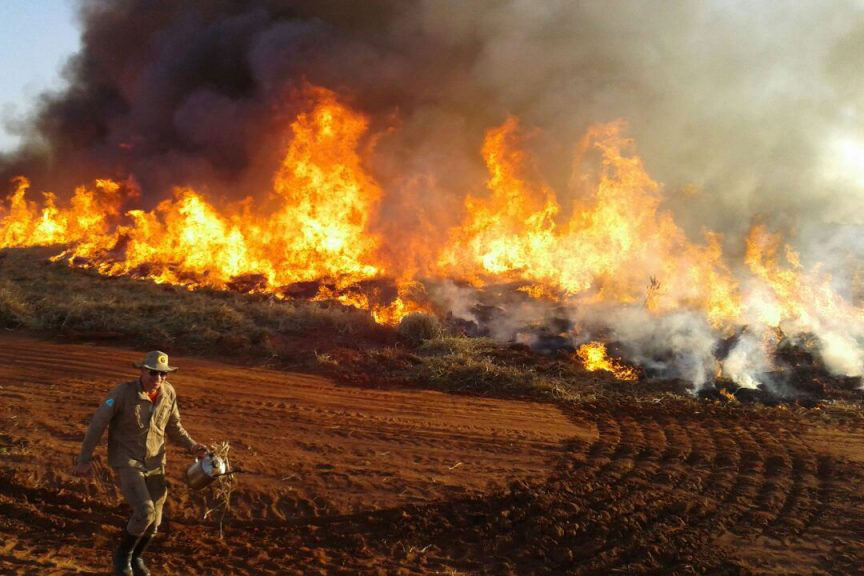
460,301
745,112
678,345
752,105
748,361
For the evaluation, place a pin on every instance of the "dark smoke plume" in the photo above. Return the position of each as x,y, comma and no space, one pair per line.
755,106
196,92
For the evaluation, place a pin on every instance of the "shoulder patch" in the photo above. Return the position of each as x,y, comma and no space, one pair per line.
109,402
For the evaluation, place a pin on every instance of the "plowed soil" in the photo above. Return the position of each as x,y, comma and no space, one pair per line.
355,480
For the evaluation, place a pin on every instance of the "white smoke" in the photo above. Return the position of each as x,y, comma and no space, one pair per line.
842,353
677,345
747,361
460,301
746,113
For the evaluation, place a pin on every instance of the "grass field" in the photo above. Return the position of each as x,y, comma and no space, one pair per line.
38,296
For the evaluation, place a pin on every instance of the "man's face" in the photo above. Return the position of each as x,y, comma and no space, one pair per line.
152,379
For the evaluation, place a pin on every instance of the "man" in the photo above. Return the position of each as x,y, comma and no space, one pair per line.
138,414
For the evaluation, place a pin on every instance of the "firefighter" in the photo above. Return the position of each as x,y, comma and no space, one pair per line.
138,415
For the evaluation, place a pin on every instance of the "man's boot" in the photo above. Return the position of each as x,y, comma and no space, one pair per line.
138,566
123,555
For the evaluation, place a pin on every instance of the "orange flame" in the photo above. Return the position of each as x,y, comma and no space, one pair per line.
319,231
507,231
612,242
789,294
605,238
593,356
24,223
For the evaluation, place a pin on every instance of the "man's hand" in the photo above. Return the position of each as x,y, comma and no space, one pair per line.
83,469
200,450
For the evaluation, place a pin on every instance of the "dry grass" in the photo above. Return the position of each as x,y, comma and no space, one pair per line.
218,502
50,298
473,366
416,328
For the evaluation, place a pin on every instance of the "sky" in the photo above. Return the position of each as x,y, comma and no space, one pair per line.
36,38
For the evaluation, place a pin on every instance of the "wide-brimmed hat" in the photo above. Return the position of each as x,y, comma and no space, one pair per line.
156,360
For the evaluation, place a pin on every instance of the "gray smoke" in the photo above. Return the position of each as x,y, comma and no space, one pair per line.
747,103
751,104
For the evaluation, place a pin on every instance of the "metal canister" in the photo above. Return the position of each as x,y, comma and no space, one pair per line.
204,471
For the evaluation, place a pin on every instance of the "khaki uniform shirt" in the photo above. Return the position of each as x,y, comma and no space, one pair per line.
136,427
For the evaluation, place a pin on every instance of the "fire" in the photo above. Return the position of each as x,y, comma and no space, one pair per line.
593,356
509,233
604,250
393,313
606,238
409,298
24,223
319,230
796,301
788,293
613,239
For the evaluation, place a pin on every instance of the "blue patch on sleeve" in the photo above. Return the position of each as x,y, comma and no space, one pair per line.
109,402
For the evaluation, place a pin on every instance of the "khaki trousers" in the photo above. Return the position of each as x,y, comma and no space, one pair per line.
145,492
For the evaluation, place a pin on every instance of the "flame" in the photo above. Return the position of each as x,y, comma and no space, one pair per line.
24,223
507,231
612,241
593,356
788,293
407,301
319,230
603,238
393,313
411,297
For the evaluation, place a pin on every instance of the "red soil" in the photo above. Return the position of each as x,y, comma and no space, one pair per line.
348,480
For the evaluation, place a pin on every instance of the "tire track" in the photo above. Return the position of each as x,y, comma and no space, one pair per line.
366,481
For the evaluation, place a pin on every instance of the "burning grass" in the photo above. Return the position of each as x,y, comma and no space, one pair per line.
47,298
343,342
481,367
50,298
600,253
518,252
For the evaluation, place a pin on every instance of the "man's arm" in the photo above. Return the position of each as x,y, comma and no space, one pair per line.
98,423
178,434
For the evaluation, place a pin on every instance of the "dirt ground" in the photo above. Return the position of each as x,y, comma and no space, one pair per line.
359,480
